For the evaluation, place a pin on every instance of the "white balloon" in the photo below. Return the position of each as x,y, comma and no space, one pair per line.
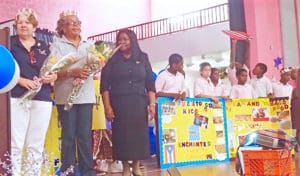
14,80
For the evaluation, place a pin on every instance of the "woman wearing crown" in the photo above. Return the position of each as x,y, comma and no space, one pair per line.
29,123
76,123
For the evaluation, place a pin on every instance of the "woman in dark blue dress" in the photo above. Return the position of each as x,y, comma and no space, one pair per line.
128,93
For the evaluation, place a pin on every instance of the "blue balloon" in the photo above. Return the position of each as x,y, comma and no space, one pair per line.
9,70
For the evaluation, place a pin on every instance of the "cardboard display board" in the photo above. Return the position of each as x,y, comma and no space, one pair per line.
193,131
248,115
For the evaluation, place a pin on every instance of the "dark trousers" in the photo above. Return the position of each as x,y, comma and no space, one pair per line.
76,136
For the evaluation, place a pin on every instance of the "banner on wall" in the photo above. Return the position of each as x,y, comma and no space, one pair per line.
193,131
248,115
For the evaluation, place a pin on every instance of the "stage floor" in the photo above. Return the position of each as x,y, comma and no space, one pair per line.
225,169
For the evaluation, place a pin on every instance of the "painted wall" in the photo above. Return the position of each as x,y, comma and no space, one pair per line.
103,16
263,23
169,8
97,16
289,32
47,10
194,42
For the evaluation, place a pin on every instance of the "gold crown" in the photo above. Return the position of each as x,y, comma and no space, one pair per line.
26,12
67,13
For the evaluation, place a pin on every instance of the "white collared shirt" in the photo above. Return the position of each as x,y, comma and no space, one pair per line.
242,91
169,83
219,89
262,86
282,90
203,86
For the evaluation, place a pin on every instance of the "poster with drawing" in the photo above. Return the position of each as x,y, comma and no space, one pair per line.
192,132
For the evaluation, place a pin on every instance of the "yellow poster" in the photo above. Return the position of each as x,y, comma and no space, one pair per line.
192,131
248,115
53,143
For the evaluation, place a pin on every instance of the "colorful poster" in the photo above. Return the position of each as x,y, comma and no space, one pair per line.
192,132
248,115
53,143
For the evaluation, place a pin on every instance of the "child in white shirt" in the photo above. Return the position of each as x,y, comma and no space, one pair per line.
261,84
282,88
203,87
170,82
219,88
242,89
234,65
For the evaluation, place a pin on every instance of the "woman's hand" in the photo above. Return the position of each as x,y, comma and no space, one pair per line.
151,111
109,113
79,73
28,84
49,78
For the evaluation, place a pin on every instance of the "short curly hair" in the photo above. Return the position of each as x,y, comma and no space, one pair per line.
60,25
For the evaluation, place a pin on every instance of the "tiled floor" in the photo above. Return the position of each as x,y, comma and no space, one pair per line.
226,169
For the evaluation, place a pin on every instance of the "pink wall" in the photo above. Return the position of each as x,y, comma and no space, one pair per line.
103,16
98,16
47,11
263,23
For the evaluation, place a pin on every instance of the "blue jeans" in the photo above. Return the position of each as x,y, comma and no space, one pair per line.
76,136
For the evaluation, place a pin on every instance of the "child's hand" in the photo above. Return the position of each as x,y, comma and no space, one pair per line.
183,96
177,96
215,100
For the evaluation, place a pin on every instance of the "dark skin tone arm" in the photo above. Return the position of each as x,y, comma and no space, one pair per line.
151,109
232,53
176,96
247,53
214,98
109,113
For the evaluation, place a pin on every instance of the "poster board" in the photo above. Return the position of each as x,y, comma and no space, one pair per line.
248,115
193,131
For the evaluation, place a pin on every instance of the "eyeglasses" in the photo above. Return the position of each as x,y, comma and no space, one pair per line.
32,57
74,23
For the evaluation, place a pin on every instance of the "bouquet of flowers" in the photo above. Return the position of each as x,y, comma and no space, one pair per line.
98,55
51,65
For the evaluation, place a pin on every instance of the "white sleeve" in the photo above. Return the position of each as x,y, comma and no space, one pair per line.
233,93
197,87
254,94
159,83
183,86
269,86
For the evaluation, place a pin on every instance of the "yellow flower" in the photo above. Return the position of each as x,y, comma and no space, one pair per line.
52,60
